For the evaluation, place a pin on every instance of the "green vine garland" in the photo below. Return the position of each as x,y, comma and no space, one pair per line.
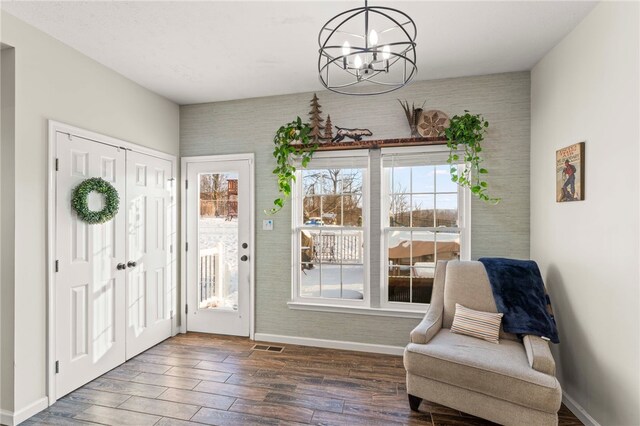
80,197
291,142
468,130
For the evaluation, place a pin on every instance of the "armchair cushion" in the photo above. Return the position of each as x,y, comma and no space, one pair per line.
482,325
501,371
539,354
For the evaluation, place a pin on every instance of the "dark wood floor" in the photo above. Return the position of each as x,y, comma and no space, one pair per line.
218,380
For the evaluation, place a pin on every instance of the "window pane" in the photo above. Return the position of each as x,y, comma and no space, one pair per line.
422,210
307,248
331,278
423,249
311,210
423,179
351,181
311,182
399,252
331,209
448,246
443,179
399,283
350,247
400,210
352,281
421,285
352,210
400,180
310,280
447,210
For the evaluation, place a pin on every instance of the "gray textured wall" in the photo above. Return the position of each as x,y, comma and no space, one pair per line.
248,126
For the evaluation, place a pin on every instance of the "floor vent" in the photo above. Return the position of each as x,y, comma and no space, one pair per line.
268,348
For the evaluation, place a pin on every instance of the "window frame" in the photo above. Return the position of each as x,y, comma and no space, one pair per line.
375,295
328,160
434,156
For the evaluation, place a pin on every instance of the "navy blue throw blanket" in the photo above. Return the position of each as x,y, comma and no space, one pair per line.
519,293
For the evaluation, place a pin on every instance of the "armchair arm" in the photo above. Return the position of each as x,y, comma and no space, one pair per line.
539,355
432,321
428,327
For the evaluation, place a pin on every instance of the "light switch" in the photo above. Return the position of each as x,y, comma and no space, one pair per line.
267,225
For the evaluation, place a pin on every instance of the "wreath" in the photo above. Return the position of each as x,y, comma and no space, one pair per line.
80,198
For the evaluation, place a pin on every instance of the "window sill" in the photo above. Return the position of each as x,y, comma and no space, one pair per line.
382,312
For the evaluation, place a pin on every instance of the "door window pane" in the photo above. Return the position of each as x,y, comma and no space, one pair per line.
218,241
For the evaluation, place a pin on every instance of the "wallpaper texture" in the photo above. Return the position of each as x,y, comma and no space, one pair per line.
248,126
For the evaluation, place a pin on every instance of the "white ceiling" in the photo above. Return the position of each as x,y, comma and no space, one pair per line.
194,52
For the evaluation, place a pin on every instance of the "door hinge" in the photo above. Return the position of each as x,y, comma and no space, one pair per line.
186,184
57,165
57,265
171,248
57,367
186,309
186,246
171,314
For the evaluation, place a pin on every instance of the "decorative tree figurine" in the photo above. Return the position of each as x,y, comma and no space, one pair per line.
315,121
328,129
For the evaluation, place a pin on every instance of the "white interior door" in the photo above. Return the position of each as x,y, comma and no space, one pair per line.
149,293
219,218
89,289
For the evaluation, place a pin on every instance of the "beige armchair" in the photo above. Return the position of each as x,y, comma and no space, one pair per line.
512,383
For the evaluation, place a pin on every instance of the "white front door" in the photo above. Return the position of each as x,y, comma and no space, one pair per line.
148,207
89,288
219,219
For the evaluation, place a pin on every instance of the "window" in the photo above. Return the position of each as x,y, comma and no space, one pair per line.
423,219
330,238
423,223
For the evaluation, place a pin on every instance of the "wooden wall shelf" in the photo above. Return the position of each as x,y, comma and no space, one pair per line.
381,143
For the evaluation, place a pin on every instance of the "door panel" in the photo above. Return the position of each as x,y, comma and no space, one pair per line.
219,223
89,290
148,258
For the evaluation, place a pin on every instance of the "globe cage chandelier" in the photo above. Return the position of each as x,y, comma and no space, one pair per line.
374,62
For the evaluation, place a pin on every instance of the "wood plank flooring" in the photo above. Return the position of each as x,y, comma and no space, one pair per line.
197,378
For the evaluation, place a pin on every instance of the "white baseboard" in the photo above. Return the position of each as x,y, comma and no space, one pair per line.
12,419
331,344
577,409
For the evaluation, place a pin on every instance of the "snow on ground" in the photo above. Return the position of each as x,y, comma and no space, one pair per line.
351,277
217,230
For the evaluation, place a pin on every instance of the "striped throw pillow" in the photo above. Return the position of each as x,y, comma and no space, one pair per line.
483,325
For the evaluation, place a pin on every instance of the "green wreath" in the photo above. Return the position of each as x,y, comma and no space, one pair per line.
80,197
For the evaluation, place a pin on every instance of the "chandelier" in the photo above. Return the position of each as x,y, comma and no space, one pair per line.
368,50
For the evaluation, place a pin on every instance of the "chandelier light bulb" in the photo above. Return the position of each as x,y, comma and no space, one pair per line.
357,62
373,38
346,48
386,52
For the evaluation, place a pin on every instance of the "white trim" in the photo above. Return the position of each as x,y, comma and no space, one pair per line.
53,128
359,310
363,162
331,344
14,418
250,157
50,243
100,138
408,150
578,410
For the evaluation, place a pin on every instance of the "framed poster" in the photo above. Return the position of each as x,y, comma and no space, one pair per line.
570,173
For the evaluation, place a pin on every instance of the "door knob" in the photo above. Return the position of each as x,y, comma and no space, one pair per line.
131,264
244,258
121,266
